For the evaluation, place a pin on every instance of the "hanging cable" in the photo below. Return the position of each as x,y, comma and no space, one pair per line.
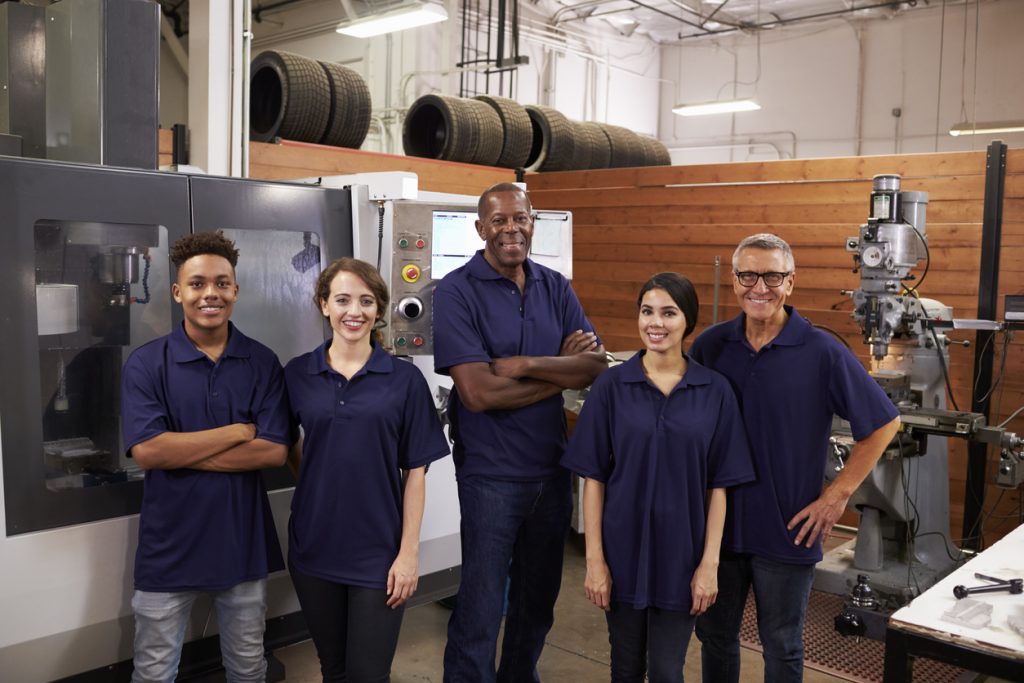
938,349
380,232
145,280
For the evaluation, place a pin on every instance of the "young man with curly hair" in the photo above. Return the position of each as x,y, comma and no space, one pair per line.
203,410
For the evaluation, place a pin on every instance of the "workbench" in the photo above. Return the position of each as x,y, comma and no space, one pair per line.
918,629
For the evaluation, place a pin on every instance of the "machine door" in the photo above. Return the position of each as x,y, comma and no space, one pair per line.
285,234
87,280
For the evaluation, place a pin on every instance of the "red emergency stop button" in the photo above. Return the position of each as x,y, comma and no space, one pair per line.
411,273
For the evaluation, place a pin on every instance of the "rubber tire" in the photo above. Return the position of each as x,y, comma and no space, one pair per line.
583,148
626,147
490,132
661,154
349,118
289,98
435,128
517,131
602,149
596,143
655,152
553,144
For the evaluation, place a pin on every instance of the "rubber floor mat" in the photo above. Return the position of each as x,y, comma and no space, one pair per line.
827,651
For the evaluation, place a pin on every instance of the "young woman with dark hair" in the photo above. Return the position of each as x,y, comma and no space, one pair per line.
658,441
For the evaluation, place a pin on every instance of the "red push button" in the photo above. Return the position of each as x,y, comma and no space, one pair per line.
411,273
417,341
420,243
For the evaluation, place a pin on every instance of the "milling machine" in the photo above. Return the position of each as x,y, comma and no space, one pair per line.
903,543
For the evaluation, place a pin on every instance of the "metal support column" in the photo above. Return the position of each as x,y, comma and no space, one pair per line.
984,347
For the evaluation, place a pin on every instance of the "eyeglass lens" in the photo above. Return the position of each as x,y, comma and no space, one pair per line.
772,279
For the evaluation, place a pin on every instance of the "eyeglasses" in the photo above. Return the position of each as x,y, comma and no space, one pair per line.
521,220
749,278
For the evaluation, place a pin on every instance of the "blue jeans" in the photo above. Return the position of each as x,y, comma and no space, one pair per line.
161,618
781,592
650,640
510,530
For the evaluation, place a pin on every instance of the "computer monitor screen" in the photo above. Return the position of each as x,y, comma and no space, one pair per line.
455,241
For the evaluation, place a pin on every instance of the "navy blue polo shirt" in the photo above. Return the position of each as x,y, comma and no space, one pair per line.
657,457
788,392
358,435
479,316
203,531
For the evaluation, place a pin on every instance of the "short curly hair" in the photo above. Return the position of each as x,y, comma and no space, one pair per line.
200,243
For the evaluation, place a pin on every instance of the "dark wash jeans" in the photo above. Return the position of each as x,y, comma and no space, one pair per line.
512,532
649,640
781,592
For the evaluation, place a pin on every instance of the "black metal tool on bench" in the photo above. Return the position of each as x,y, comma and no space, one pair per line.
1013,586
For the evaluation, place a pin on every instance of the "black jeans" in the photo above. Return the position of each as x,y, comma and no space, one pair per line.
649,640
353,629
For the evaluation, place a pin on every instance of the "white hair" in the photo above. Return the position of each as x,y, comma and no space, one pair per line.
767,242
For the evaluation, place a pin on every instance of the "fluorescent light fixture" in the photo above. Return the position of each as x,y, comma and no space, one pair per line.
984,128
405,16
724,107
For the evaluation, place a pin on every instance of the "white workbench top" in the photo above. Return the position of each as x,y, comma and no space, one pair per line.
1004,560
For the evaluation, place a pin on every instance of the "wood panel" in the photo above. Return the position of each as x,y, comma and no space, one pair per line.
631,223
910,166
291,160
165,145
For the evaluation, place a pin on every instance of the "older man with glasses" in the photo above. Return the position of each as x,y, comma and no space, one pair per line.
790,378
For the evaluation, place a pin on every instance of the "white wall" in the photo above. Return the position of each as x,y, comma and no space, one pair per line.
173,89
808,86
826,89
593,74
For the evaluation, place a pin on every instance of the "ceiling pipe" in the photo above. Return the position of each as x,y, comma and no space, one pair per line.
786,22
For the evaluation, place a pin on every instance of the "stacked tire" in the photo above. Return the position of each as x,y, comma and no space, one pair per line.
560,144
486,130
298,98
497,131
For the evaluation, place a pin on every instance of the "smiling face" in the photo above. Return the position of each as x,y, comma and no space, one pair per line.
506,225
662,324
207,291
760,302
351,309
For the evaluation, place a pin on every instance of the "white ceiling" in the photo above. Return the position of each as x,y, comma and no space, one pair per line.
667,21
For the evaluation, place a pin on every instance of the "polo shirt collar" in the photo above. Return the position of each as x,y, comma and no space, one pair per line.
380,361
633,371
184,351
792,334
482,270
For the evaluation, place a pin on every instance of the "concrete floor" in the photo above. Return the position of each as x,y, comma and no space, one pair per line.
576,650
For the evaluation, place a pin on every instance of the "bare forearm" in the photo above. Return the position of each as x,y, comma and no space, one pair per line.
254,455
295,458
862,459
593,518
413,499
568,372
714,528
174,450
480,389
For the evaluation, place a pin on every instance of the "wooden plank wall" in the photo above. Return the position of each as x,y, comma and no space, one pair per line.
632,223
289,160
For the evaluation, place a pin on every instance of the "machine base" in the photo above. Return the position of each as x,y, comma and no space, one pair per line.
894,585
